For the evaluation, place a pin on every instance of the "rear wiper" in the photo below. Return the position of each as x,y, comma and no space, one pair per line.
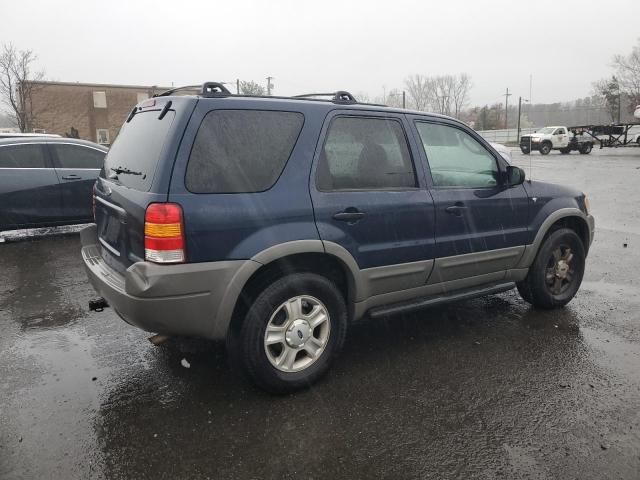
126,171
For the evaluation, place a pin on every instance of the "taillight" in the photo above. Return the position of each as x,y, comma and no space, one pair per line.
164,233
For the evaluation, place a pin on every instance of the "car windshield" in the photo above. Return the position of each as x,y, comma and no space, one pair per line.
319,240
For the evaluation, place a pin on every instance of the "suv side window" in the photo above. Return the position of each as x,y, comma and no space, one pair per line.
456,159
241,151
23,156
75,156
365,154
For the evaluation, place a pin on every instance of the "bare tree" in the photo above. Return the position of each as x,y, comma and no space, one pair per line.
363,97
251,88
419,89
445,94
394,98
628,75
442,96
460,93
16,84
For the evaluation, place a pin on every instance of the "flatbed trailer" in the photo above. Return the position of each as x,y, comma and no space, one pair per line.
610,136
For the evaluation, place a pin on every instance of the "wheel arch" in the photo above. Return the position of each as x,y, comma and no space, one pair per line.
572,218
291,257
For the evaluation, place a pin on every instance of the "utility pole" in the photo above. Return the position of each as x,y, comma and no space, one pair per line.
269,86
506,108
518,132
404,97
237,86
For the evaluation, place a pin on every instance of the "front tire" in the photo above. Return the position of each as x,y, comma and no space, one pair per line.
556,273
292,331
545,148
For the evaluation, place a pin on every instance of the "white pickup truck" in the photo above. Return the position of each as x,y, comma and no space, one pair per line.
556,138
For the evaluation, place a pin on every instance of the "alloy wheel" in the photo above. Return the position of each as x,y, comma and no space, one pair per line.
297,333
560,271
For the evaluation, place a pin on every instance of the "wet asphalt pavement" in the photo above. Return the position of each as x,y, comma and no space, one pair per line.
488,388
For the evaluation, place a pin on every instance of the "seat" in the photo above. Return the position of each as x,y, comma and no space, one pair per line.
374,165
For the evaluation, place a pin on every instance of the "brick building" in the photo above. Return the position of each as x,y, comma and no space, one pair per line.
95,111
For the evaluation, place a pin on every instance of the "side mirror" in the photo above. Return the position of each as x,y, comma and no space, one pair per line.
515,176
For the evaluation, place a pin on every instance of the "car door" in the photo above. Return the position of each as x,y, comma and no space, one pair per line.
561,139
29,195
77,167
368,200
481,224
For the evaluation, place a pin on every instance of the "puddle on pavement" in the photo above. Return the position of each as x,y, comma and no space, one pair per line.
614,352
49,431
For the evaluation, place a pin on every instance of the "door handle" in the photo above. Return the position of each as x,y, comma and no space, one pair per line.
71,177
350,216
456,209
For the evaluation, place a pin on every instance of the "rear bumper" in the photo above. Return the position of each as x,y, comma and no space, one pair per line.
186,299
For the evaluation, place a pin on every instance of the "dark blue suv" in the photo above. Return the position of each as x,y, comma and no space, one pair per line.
273,223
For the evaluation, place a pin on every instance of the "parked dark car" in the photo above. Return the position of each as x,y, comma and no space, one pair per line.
274,223
47,181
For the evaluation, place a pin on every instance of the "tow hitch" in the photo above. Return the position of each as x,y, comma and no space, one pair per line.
97,304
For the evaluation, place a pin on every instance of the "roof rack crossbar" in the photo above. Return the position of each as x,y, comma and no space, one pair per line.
215,89
341,96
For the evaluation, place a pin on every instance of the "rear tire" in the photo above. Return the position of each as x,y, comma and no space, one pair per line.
586,149
300,344
556,273
525,151
545,148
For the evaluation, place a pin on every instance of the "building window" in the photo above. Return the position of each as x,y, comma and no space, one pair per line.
99,99
102,136
142,97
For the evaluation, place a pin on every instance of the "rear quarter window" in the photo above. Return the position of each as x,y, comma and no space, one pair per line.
22,156
241,151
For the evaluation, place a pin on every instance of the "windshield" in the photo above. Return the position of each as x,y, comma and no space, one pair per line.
134,155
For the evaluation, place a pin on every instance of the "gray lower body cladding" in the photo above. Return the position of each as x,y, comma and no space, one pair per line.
171,299
198,299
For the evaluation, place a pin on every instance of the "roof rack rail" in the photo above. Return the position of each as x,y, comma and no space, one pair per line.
341,96
166,93
207,89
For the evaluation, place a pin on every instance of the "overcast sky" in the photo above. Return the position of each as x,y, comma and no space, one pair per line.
327,45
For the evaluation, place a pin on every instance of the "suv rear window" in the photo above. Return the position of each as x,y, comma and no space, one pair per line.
137,148
241,151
